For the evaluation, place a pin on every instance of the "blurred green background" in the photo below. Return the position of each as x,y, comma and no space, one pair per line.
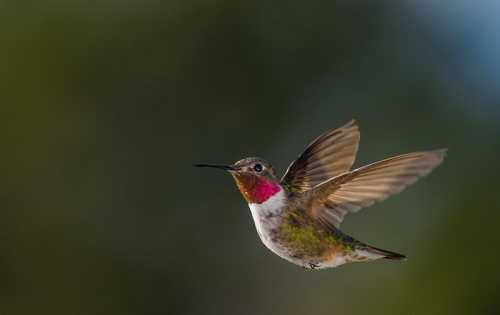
105,105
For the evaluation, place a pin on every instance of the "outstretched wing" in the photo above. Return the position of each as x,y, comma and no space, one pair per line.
364,186
329,155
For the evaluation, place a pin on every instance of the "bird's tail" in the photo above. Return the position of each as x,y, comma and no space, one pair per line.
374,252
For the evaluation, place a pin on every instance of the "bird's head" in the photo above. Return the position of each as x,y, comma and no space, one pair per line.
255,178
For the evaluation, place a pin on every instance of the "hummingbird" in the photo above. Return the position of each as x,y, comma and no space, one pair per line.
298,216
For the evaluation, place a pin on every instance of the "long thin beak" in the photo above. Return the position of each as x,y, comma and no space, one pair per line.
220,166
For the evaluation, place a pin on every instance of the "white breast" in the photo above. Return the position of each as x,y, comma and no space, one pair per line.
267,217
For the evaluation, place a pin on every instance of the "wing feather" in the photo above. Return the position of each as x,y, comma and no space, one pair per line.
329,155
360,188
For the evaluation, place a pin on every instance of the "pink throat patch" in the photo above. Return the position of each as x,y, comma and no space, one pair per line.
263,190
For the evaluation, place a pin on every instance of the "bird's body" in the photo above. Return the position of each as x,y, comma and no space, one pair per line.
286,230
285,227
298,217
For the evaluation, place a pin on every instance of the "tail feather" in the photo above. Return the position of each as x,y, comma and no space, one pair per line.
385,253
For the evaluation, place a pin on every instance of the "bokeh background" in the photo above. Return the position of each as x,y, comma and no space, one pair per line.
105,105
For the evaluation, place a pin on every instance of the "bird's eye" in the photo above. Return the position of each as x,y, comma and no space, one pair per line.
257,167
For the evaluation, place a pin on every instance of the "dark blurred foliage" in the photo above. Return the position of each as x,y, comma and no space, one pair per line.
105,105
